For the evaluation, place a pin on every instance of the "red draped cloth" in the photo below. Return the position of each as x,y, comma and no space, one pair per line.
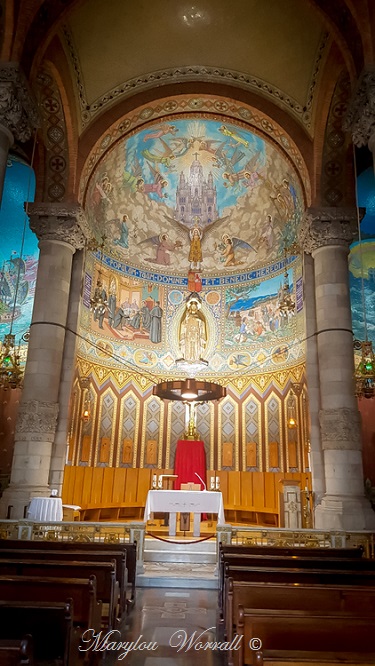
190,458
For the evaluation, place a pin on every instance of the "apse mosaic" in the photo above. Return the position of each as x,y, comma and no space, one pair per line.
197,194
231,330
18,252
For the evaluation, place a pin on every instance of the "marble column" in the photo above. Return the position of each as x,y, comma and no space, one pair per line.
326,234
61,230
59,449
18,114
313,383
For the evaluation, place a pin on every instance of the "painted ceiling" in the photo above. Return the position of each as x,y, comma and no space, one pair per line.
152,188
276,46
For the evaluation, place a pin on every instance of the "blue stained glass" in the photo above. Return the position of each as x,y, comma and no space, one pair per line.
18,251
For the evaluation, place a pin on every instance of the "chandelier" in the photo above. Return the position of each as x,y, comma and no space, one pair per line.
189,389
11,372
365,371
286,301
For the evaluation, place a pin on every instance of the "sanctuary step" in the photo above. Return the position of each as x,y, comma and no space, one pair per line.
179,563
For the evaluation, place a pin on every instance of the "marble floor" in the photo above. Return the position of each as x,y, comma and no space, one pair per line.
163,622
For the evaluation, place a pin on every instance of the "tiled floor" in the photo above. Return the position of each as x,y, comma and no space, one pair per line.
164,619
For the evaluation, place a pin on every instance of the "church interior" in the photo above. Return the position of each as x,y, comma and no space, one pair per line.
187,267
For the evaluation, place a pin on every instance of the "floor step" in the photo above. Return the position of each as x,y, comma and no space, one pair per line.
202,557
178,574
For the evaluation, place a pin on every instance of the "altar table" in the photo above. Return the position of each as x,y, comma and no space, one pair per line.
45,509
184,501
190,458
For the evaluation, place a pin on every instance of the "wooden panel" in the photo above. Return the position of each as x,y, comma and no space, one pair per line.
151,452
270,501
246,489
144,484
274,454
258,489
119,481
105,448
108,483
87,481
223,480
292,454
68,485
97,485
227,460
127,451
234,488
251,454
130,497
85,449
79,477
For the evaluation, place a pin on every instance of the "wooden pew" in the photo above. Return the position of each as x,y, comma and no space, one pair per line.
16,652
49,623
292,550
302,562
318,634
87,611
85,546
282,596
107,587
292,577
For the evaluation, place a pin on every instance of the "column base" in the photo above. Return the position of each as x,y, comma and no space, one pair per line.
337,512
18,498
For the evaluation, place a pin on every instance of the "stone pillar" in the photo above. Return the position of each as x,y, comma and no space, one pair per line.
59,448
312,373
18,114
61,229
326,233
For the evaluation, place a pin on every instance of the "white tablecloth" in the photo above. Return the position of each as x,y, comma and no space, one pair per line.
45,509
185,501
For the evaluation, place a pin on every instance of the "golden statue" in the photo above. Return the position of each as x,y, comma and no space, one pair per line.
195,253
193,331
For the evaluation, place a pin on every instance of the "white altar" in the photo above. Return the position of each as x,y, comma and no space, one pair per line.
184,501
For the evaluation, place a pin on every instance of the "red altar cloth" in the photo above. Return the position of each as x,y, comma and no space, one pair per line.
190,458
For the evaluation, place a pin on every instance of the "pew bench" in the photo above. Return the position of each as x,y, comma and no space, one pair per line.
292,577
84,546
107,587
49,623
16,652
281,596
325,632
87,610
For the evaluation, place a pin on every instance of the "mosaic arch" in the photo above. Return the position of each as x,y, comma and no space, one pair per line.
178,184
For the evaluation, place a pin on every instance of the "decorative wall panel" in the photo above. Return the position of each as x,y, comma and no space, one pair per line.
251,433
273,421
128,429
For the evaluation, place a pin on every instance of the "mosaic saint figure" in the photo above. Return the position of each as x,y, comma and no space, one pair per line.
195,252
193,332
156,315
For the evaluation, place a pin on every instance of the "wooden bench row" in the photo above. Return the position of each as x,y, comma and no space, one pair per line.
44,579
283,606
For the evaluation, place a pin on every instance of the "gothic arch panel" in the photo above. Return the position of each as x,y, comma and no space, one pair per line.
273,433
252,434
128,430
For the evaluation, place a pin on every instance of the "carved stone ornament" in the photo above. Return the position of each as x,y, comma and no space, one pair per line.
60,222
18,111
340,429
328,226
360,118
37,419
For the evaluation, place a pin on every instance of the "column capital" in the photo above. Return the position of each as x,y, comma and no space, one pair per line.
18,110
64,222
322,227
360,117
36,420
